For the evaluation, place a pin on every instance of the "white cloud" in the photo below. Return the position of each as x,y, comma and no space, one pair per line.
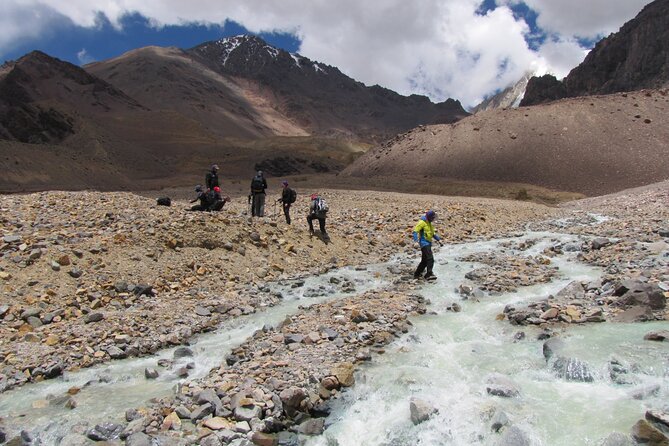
84,57
578,18
440,48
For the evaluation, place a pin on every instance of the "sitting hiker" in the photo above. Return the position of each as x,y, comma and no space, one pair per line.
204,200
318,209
216,202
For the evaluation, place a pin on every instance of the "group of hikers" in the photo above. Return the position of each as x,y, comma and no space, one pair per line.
211,200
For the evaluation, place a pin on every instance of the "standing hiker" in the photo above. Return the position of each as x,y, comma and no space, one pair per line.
204,200
423,233
211,180
258,186
288,197
318,209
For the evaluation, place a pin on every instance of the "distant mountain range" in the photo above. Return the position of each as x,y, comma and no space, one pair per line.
237,101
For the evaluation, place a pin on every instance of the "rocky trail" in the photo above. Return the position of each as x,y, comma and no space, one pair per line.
91,278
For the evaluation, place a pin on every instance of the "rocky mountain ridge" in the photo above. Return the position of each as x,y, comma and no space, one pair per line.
634,58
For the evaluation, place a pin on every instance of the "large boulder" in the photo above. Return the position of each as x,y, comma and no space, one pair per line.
513,436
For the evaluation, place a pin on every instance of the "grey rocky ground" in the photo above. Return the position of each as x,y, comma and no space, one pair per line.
90,277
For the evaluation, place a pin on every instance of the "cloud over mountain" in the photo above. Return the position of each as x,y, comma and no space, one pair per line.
460,48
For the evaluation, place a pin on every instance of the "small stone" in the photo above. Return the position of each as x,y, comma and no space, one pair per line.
262,439
420,410
116,353
75,273
5,275
182,352
659,336
218,423
314,426
63,260
171,422
93,317
201,311
151,373
344,374
551,313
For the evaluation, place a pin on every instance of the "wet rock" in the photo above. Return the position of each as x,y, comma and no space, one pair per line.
150,373
313,426
500,385
645,433
513,436
93,317
643,392
182,352
454,307
658,417
420,410
499,421
104,432
551,313
617,439
659,336
572,369
552,347
171,422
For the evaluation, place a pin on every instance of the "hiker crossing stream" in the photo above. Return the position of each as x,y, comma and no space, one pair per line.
446,363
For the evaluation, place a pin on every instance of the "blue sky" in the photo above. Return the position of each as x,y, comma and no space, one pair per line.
462,49
80,45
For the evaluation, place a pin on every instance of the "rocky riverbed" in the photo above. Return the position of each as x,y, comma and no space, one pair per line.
90,277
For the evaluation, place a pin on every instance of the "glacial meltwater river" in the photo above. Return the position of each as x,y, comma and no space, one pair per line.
444,360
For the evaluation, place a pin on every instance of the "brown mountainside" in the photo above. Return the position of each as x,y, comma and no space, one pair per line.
634,58
320,97
592,145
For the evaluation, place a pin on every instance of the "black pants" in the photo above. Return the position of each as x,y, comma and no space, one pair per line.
286,211
321,223
217,206
258,207
426,261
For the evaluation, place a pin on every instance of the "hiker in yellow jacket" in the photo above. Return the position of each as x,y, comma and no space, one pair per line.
423,234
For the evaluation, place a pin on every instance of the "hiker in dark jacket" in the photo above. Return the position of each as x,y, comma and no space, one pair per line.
204,200
423,234
211,180
288,197
216,202
318,209
258,186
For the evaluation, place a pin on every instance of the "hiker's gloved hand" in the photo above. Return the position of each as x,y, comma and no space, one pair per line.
416,245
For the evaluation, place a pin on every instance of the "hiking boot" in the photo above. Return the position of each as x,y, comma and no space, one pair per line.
417,276
430,277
